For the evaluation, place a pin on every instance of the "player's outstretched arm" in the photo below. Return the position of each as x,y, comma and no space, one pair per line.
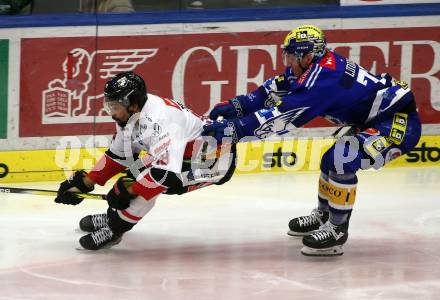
83,182
265,96
229,109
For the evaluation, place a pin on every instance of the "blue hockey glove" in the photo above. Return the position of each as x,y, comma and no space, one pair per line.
228,129
229,109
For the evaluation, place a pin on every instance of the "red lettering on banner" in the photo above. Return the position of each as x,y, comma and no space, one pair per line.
66,98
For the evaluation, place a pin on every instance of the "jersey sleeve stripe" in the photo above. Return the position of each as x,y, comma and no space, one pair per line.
311,75
315,77
376,105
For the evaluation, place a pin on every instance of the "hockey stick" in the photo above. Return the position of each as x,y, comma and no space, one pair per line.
39,192
147,159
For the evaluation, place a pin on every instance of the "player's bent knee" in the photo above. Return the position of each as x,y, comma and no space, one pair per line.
116,223
138,208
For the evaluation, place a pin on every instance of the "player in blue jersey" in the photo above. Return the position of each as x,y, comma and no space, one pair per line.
318,82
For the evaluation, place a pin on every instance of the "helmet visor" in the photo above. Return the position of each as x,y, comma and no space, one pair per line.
112,106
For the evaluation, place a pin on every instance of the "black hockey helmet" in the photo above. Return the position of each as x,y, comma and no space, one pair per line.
126,88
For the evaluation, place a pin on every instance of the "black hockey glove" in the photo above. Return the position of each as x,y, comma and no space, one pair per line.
119,197
68,188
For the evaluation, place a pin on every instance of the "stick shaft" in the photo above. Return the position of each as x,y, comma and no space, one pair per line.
39,192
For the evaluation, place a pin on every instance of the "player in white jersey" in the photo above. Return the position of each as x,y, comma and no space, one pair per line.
177,160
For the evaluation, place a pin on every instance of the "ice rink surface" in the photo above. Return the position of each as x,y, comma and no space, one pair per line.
230,242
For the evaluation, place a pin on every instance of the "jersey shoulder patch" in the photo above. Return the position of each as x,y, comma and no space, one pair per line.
328,61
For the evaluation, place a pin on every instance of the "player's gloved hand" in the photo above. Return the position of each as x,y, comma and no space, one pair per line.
119,197
226,130
68,188
228,109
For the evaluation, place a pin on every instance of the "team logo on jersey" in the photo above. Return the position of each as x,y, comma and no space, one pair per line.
328,61
71,100
279,123
157,130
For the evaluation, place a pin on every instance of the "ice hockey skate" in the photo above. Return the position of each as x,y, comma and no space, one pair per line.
92,223
100,239
327,241
307,225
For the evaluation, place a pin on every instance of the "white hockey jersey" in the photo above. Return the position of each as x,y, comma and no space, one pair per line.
163,129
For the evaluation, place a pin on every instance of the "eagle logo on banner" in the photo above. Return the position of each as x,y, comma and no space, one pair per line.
71,99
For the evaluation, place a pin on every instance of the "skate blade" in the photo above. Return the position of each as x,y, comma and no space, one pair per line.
107,246
300,234
332,251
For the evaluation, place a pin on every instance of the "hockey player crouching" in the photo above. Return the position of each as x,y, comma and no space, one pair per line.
175,162
319,82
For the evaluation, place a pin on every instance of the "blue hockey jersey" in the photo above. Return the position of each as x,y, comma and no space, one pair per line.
333,87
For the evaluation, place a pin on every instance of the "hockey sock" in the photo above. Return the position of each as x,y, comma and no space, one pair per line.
116,223
322,194
340,191
323,204
339,217
138,208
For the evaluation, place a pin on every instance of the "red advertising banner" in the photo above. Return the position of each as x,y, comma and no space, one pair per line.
62,79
